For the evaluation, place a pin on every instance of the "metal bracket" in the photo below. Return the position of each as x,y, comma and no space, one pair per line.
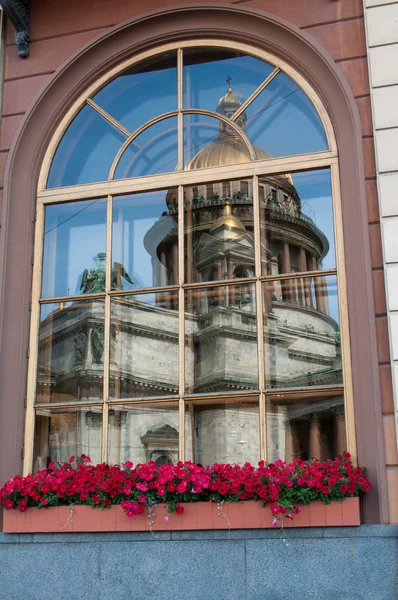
17,11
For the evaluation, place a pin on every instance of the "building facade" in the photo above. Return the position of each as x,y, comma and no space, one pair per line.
191,247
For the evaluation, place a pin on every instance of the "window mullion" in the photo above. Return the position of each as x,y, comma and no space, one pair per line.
107,330
260,326
180,119
34,341
181,325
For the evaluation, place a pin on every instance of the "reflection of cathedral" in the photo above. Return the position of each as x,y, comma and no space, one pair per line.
301,339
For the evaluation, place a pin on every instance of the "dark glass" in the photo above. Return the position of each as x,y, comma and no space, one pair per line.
86,151
221,339
219,231
74,248
305,425
66,432
144,240
226,432
209,142
301,333
71,352
142,93
209,72
141,433
144,346
282,121
154,151
296,222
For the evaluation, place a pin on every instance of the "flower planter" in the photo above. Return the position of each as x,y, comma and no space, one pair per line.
196,516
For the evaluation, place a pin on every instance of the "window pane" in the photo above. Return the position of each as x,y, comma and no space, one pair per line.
296,222
306,426
219,236
143,433
86,152
302,333
74,248
144,346
66,432
142,93
144,240
209,72
154,151
223,433
221,339
209,142
282,121
71,348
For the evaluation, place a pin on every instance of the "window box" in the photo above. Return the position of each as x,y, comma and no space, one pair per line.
196,516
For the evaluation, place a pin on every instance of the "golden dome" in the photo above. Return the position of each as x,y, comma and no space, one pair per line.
228,222
228,149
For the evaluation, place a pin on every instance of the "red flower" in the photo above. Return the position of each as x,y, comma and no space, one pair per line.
326,489
347,456
179,509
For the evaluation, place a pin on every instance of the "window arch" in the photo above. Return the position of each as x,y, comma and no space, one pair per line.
204,292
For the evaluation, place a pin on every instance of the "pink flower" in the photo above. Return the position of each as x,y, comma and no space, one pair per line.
128,464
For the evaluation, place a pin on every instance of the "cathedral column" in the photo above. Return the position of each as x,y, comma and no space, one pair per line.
317,285
175,264
325,298
290,449
286,263
306,283
339,423
219,278
315,442
286,268
175,270
230,275
198,292
163,278
277,290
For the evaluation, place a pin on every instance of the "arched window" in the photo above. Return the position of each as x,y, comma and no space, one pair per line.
189,276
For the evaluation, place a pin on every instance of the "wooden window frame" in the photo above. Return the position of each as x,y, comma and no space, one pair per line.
112,188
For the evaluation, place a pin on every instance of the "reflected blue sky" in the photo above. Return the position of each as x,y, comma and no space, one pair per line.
281,120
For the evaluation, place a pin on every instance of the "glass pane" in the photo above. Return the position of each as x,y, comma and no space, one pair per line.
141,433
142,93
71,348
144,346
306,425
302,333
219,236
154,151
210,72
86,151
144,240
282,121
221,339
223,433
296,222
74,248
209,142
66,432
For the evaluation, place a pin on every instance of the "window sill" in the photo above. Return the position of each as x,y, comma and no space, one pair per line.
196,516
